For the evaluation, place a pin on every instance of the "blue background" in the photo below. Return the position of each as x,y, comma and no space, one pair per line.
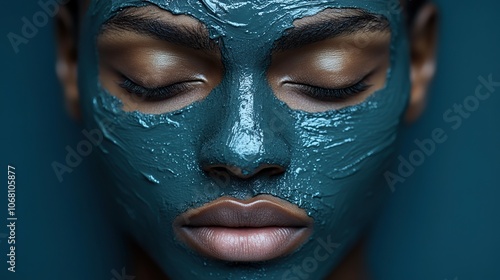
442,223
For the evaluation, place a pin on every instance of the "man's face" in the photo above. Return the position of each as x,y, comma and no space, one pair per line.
246,139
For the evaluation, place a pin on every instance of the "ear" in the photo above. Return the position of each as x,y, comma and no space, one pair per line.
423,36
67,61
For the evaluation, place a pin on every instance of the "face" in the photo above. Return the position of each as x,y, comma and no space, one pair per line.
245,139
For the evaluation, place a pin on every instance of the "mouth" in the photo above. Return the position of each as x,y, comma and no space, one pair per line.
258,229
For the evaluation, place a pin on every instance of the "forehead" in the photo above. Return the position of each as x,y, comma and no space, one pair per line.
248,17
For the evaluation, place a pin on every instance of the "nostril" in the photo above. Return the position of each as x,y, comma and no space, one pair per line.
270,170
266,170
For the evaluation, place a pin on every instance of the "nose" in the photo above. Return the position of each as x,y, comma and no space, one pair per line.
249,141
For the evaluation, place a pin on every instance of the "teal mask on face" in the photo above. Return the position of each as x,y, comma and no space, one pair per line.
334,161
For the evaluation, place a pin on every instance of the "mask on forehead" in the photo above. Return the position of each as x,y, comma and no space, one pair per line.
334,161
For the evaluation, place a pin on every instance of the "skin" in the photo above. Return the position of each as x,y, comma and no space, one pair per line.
331,63
150,62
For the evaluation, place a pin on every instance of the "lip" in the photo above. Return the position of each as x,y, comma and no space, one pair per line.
254,230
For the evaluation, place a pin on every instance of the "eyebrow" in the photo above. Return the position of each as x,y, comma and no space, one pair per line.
195,37
328,28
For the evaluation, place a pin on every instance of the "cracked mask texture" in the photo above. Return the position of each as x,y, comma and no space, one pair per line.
334,160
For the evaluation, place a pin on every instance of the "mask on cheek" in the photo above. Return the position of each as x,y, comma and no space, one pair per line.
328,164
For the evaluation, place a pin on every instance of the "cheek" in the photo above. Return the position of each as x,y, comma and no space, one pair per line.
151,157
339,161
343,154
342,142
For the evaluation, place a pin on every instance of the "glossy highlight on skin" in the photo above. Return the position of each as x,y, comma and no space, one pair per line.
327,65
332,160
149,65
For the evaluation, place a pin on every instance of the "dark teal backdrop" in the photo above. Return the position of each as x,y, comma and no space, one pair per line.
441,223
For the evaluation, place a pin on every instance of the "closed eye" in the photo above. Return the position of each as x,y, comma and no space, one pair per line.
330,94
152,94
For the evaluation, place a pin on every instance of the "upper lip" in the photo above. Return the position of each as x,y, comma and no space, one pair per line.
257,212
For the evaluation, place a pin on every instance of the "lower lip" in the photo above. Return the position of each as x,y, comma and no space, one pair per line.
245,244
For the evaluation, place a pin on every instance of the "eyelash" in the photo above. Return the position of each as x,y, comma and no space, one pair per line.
319,93
155,94
333,94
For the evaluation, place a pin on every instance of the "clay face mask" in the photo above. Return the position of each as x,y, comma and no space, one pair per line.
251,133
